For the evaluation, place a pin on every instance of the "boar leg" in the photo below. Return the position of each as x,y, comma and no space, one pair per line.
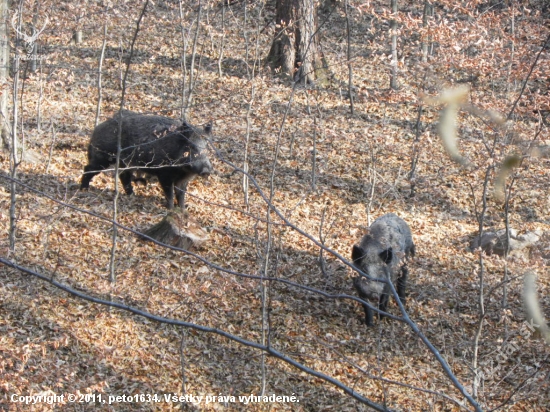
363,295
89,172
402,283
368,315
181,189
383,305
167,184
126,179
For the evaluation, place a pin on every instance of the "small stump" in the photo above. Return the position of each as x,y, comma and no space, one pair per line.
178,229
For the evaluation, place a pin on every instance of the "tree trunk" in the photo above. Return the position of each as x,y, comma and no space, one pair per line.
295,48
178,229
426,40
4,73
393,31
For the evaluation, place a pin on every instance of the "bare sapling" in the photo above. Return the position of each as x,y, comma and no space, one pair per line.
99,86
393,31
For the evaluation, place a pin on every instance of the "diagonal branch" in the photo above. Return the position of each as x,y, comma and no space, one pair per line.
527,77
268,349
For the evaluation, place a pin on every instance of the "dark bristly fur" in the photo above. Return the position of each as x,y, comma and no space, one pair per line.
169,149
379,255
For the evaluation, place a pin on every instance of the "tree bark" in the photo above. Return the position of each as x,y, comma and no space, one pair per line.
393,31
295,48
426,41
178,229
4,73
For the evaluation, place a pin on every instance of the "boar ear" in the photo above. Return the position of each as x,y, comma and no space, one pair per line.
386,255
208,127
185,129
357,253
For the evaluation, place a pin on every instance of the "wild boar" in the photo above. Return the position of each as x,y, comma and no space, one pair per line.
380,255
171,150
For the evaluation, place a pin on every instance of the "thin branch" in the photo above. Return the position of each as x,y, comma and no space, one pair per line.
112,276
267,349
204,260
527,77
193,54
99,88
14,153
350,69
274,209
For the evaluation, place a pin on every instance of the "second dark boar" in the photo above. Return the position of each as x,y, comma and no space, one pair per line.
169,149
380,255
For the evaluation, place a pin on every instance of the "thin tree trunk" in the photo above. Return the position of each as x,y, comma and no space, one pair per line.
264,284
246,148
184,334
193,55
112,275
425,45
4,73
14,154
245,36
39,100
393,31
183,61
477,337
34,54
350,70
222,41
314,156
282,55
512,45
415,152
257,52
372,181
54,138
99,88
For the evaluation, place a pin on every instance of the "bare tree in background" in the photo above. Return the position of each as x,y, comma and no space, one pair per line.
295,48
426,40
393,32
4,72
348,55
34,53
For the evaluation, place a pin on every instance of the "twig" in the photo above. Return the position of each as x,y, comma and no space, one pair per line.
183,365
246,146
265,349
99,88
112,275
14,155
527,77
482,312
405,317
52,128
193,55
416,151
222,43
350,69
393,31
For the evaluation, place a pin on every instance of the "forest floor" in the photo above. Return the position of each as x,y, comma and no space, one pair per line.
52,342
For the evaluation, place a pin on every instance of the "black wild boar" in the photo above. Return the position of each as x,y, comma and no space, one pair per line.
379,255
169,149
